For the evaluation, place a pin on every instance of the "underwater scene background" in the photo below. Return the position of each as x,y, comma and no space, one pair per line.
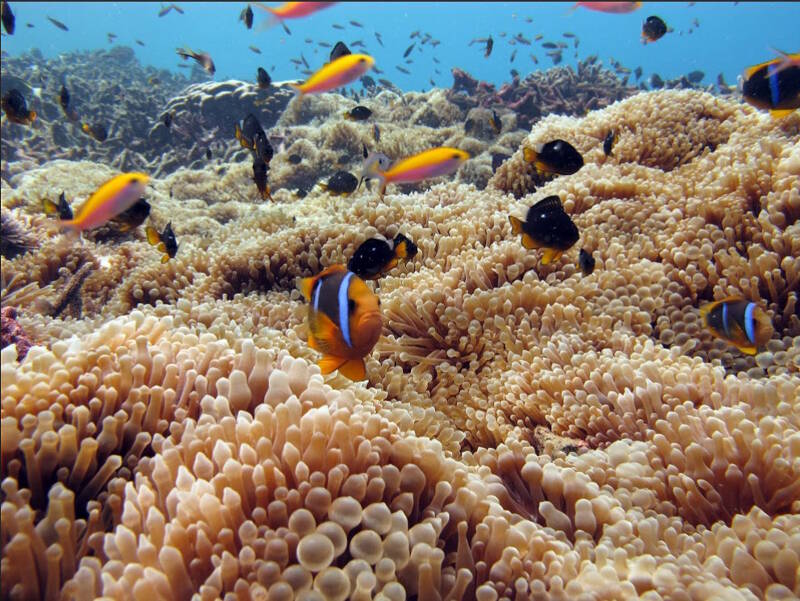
495,328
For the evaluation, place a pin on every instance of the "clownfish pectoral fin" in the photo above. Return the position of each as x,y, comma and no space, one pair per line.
312,342
747,350
354,369
516,224
306,286
778,113
330,363
550,255
529,154
530,243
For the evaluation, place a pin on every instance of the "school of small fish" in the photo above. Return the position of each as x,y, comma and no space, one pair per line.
344,317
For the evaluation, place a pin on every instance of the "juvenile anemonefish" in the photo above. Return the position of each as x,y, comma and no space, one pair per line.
774,85
341,183
16,108
586,262
62,209
165,241
546,226
430,163
739,322
344,320
376,256
260,169
556,156
112,198
251,135
358,113
653,29
98,131
335,74
608,142
495,122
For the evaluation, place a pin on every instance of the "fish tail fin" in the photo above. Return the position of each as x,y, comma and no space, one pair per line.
550,255
50,208
330,363
572,9
354,369
347,116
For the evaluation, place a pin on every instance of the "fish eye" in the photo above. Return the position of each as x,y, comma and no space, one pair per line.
456,156
362,60
351,305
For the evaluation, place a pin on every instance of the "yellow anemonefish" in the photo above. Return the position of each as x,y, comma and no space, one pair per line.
430,163
112,198
335,74
739,322
774,85
344,320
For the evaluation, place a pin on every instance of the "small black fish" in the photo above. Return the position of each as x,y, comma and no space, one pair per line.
295,159
324,44
260,178
514,74
62,209
263,78
403,70
288,32
376,133
7,18
167,120
97,131
637,72
568,34
513,55
358,113
208,153
586,262
357,44
58,24
546,226
549,45
339,50
254,49
489,46
337,26
140,42
556,156
376,256
111,37
304,61
495,122
696,76
29,25
17,109
498,159
356,24
656,81
408,50
653,29
608,143
131,218
341,183
63,98
247,16
165,241
378,37
177,8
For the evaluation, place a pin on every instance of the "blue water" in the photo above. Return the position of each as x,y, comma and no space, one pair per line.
729,36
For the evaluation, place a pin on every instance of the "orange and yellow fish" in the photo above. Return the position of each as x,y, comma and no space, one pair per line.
292,10
112,198
430,163
336,73
617,8
344,320
739,322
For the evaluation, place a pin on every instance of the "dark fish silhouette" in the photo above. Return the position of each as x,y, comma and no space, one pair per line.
339,50
408,50
7,18
58,24
247,16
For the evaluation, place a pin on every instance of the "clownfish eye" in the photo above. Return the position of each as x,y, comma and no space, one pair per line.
351,305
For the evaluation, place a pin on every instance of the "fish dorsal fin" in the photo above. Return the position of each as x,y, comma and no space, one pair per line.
549,204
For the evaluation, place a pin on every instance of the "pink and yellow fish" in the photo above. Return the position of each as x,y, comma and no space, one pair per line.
430,163
112,198
337,73
617,8
292,10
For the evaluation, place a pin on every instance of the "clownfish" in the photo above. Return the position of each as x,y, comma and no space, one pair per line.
739,322
336,74
430,163
344,320
774,85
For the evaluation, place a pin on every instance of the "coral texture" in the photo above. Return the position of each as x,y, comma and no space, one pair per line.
526,432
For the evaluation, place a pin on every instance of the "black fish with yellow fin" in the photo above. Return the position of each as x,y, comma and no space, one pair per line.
358,113
774,85
97,131
495,122
7,17
16,108
546,226
263,78
739,322
376,256
251,136
344,320
165,241
586,262
260,169
341,183
64,100
131,218
498,159
247,16
653,29
608,142
556,156
339,50
62,209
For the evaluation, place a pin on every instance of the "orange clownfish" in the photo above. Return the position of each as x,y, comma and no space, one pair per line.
739,322
344,320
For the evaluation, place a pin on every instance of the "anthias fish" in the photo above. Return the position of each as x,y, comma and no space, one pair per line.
546,226
58,24
430,163
344,320
376,256
335,74
165,241
556,156
739,322
774,85
291,10
618,8
112,198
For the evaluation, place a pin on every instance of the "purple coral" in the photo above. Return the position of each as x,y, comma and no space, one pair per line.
12,332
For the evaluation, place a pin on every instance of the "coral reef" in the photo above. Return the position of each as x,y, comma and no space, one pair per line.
526,432
12,333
